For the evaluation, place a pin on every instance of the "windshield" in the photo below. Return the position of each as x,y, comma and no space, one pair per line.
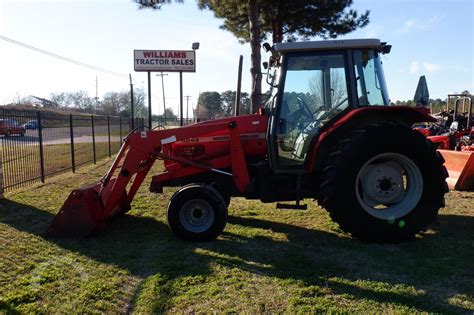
371,88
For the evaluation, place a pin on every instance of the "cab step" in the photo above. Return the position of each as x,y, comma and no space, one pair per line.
291,206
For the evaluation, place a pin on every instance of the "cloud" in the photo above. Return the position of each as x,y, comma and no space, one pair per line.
411,25
414,67
431,67
408,25
417,67
374,31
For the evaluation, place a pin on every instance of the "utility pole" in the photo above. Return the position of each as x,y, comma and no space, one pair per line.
163,89
96,93
131,102
196,116
187,107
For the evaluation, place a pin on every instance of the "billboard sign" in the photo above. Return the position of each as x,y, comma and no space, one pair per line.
164,60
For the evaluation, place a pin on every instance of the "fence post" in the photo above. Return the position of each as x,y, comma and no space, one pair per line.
71,132
40,139
93,139
108,130
120,123
1,177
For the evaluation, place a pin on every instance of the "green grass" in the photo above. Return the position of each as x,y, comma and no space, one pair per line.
267,260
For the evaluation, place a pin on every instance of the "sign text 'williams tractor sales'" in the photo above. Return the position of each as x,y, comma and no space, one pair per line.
164,60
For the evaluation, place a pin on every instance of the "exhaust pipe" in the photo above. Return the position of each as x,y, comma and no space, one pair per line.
239,84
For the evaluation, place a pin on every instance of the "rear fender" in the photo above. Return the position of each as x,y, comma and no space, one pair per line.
353,119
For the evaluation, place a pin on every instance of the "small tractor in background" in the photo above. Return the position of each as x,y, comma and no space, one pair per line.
457,145
455,125
327,133
452,134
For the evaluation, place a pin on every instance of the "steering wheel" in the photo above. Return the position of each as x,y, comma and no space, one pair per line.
304,108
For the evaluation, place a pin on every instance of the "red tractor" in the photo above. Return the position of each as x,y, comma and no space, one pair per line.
457,144
456,123
327,132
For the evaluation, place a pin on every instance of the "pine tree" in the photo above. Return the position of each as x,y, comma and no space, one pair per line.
253,21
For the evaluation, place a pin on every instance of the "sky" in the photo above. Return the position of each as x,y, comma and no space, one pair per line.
429,37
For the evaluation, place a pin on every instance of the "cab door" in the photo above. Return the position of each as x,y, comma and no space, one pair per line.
313,90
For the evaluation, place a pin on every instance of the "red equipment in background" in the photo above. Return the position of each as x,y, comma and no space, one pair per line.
460,166
456,146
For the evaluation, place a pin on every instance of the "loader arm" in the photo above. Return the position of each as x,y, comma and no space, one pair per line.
88,209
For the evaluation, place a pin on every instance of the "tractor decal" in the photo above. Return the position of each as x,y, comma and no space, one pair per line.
245,136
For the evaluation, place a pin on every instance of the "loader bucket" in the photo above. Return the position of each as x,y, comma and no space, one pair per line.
81,214
460,166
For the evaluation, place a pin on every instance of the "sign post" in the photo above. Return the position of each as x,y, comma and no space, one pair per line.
165,61
131,102
181,97
149,101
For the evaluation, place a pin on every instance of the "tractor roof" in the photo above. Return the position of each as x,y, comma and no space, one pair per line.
328,45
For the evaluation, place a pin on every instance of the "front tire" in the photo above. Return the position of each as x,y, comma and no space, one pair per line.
383,183
197,213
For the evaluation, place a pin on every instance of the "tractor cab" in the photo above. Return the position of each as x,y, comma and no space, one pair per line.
317,82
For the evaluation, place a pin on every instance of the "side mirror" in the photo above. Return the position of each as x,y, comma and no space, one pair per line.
384,48
267,47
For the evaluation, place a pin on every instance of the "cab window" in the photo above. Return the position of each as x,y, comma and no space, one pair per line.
315,90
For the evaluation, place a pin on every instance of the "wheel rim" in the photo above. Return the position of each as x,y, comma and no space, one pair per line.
196,215
389,186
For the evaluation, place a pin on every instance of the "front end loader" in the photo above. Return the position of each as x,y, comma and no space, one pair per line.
327,133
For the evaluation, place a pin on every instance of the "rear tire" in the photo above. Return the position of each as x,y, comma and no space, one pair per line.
197,213
383,183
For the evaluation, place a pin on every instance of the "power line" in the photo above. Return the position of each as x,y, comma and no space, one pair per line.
63,58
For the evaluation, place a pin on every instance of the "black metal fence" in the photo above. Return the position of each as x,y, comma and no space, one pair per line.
37,144
171,122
